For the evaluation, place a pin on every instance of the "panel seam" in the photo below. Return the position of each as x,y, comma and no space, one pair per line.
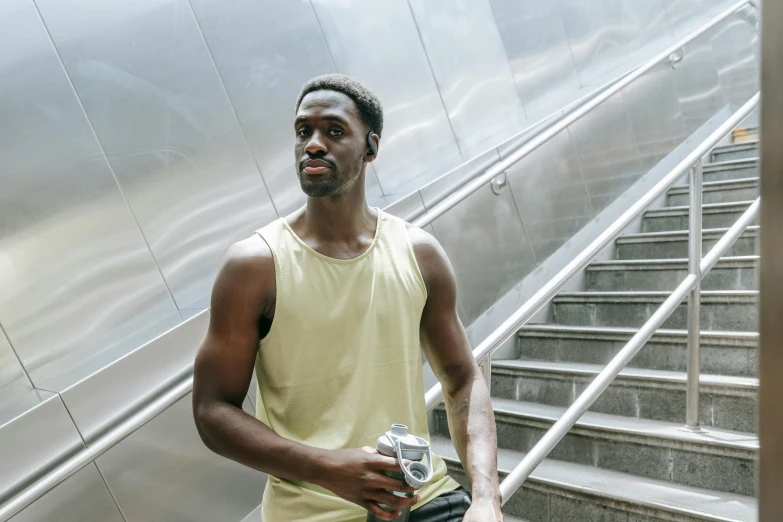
104,155
233,108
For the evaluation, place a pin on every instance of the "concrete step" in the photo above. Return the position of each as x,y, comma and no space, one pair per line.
715,459
720,310
725,402
559,491
722,353
731,273
746,189
674,244
714,215
735,151
733,169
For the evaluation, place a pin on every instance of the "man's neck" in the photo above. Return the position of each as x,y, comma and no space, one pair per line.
343,217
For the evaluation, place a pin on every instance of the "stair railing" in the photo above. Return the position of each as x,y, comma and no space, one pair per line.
689,288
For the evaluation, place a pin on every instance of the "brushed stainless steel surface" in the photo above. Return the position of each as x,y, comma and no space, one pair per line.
381,47
770,481
538,53
94,501
80,287
738,68
438,189
486,243
648,24
606,148
694,298
598,36
110,395
265,51
13,379
171,136
408,208
654,111
163,471
550,174
35,442
697,84
469,62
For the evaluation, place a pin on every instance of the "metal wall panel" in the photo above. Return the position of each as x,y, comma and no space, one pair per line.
551,195
80,287
163,471
437,190
598,35
487,245
654,111
108,396
380,46
168,129
13,379
606,148
265,50
34,442
697,84
82,498
471,68
538,54
733,44
648,25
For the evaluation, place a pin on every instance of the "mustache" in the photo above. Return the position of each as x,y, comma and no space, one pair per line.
324,159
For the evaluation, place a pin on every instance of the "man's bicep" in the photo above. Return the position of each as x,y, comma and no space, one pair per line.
224,363
445,342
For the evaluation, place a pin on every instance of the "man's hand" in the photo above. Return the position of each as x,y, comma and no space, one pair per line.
357,475
483,511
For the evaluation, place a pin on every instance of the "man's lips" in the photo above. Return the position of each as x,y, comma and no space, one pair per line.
315,167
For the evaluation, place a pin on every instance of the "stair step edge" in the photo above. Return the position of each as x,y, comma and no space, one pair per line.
613,485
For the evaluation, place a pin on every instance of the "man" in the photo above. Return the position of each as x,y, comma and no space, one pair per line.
333,305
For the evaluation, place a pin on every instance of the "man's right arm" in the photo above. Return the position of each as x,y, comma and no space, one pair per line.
242,297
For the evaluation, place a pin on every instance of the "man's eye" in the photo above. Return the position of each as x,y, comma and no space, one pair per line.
302,132
335,131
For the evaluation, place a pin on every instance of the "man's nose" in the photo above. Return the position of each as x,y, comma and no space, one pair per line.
316,146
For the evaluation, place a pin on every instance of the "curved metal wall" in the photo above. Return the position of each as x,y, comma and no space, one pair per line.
140,139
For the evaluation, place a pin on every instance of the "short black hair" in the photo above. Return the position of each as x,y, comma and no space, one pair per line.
368,104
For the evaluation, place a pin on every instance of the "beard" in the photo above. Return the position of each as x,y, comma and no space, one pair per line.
329,185
322,188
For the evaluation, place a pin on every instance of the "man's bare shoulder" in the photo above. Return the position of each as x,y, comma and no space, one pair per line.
429,253
248,262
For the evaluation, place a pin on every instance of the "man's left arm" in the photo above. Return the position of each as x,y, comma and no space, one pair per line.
468,406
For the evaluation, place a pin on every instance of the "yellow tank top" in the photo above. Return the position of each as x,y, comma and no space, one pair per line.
342,360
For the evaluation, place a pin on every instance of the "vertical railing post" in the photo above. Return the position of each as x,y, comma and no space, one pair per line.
694,310
486,371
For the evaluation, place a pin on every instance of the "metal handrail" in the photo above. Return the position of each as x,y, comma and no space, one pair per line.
688,288
182,388
503,165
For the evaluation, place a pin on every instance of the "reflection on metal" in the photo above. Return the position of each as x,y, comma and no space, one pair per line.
498,183
676,57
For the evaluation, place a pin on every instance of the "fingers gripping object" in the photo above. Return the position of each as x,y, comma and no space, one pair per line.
371,145
405,446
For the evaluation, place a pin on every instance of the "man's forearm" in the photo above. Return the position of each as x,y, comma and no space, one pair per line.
472,427
233,433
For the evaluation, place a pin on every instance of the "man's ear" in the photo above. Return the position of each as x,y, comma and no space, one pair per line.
372,145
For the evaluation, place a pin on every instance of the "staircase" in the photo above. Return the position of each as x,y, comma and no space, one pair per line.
629,458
